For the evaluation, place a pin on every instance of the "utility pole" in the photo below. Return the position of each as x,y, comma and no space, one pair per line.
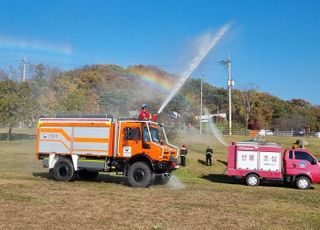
24,69
200,117
230,83
21,123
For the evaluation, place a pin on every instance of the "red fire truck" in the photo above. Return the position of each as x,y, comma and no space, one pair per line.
255,162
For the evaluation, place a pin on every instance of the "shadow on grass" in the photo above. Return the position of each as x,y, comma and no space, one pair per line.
106,178
204,163
222,178
16,136
201,162
223,162
41,175
279,184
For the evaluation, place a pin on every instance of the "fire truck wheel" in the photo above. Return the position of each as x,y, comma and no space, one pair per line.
87,175
252,180
139,175
303,182
63,170
50,173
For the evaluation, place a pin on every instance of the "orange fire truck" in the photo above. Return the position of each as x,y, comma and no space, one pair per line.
82,146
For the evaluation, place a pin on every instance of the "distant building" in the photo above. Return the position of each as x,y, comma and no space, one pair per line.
205,118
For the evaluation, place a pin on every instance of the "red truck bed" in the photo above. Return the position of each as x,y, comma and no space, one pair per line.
251,157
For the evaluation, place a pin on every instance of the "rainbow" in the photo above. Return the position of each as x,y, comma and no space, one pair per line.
37,45
159,81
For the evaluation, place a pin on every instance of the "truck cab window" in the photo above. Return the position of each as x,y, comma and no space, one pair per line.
145,133
145,138
154,134
132,133
290,154
303,156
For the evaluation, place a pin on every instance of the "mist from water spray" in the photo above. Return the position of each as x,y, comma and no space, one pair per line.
207,43
215,131
175,183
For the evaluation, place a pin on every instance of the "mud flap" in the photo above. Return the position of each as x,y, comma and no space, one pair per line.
75,159
53,158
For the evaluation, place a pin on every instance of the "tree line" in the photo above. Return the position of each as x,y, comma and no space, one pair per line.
252,109
118,91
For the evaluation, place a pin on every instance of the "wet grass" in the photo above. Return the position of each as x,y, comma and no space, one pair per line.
210,200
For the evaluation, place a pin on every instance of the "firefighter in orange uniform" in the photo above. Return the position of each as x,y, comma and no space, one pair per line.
144,115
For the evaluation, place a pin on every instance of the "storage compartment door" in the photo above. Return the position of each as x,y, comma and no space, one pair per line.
247,160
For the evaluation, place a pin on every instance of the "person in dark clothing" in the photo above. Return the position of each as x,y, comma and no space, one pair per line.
209,154
298,144
183,154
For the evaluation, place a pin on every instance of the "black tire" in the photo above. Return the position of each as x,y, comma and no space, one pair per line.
63,170
50,174
88,175
252,180
139,175
303,182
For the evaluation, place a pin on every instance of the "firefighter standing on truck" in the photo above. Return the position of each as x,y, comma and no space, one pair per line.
209,154
183,154
144,115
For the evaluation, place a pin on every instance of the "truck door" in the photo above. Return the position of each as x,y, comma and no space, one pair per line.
290,163
129,139
305,161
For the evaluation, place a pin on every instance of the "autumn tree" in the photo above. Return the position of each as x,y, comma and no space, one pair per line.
16,104
247,99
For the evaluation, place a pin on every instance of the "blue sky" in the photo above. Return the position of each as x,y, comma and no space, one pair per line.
274,44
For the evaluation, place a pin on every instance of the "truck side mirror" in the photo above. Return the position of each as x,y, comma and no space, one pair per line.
313,162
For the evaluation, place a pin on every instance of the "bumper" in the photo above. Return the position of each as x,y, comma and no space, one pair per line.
165,167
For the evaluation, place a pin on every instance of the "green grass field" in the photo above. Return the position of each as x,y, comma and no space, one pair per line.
209,199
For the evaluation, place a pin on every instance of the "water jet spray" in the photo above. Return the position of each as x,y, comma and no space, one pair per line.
207,44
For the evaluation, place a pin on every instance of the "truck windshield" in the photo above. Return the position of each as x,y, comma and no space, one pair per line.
303,156
154,134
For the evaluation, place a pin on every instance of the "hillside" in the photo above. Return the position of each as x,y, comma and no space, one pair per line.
116,90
